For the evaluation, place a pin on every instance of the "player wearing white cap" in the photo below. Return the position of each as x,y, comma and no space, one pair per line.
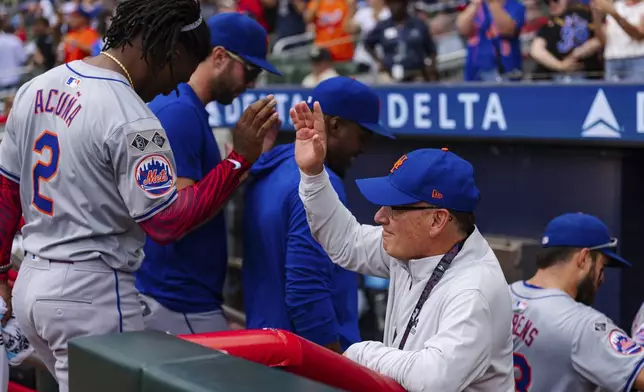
561,344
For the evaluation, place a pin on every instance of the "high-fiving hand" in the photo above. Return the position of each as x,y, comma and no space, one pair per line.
256,130
310,138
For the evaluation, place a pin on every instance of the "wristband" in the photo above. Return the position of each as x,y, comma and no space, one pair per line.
238,160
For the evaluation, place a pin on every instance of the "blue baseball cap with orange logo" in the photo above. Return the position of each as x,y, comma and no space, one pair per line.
437,177
243,36
579,230
350,100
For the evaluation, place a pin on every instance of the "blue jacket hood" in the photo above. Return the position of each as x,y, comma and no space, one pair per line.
289,281
270,160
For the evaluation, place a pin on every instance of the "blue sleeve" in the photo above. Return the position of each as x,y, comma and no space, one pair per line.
517,13
308,280
182,125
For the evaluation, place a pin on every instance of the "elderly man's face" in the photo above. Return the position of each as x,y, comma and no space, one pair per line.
408,230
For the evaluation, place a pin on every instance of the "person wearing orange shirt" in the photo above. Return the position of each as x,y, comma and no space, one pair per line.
328,16
80,38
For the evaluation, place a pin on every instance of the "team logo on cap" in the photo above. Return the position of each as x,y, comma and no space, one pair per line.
398,163
154,175
622,343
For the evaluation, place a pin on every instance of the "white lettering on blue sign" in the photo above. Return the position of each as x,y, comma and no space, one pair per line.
468,110
232,112
398,111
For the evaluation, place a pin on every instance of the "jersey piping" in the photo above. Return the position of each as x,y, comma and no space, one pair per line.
96,77
9,175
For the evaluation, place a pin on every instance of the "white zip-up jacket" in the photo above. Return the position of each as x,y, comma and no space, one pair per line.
462,341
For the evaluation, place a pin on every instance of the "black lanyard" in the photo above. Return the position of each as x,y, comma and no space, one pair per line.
440,269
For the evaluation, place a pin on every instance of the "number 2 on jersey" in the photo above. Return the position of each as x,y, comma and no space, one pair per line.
522,373
45,171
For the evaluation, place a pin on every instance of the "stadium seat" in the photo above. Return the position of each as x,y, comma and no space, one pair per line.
295,68
345,68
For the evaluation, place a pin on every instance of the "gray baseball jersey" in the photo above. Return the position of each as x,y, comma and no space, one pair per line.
92,161
637,330
561,345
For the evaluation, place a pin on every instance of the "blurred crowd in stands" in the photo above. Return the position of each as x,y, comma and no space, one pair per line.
376,41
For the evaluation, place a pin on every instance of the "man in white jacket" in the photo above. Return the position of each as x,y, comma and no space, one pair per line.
448,322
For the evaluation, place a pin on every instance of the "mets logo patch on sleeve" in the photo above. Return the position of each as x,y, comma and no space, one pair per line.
154,175
622,343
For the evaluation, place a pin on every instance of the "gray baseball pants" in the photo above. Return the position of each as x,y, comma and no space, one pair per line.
58,301
159,318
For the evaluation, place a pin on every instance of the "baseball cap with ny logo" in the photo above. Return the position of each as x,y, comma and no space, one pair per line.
438,177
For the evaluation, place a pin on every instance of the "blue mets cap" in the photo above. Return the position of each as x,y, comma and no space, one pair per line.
438,177
350,100
243,36
578,230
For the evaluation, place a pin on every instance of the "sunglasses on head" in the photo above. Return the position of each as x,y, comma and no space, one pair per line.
609,245
251,72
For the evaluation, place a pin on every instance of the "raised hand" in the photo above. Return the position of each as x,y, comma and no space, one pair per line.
604,6
250,132
310,138
271,136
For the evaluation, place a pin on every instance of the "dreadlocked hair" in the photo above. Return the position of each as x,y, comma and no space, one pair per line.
159,23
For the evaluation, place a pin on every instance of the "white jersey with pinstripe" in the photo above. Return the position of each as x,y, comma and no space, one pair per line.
92,161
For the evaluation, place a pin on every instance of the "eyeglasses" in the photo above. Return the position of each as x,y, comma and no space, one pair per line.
390,209
251,72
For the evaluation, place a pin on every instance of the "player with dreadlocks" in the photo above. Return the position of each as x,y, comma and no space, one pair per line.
161,33
90,168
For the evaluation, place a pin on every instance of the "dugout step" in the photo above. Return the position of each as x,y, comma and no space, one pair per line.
158,362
